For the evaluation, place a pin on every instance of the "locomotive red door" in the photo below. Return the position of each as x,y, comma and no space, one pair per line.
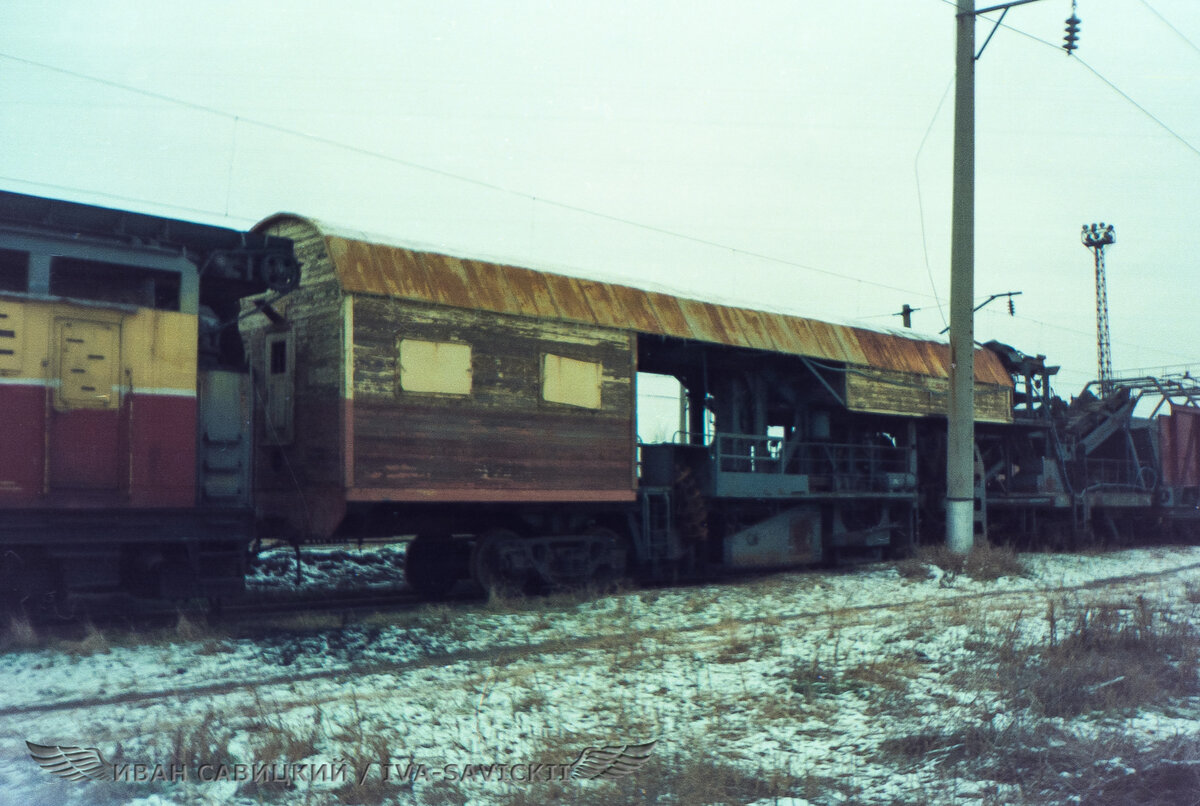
83,431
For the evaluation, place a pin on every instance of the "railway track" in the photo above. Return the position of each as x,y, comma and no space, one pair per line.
1000,599
114,612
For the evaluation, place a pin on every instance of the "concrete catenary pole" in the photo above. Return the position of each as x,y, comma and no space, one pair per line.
960,445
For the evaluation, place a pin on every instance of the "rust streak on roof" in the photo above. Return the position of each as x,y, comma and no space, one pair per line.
449,281
702,321
600,300
527,292
755,328
569,297
636,309
669,315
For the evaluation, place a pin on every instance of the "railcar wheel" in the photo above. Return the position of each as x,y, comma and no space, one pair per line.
613,557
488,567
432,565
13,581
29,582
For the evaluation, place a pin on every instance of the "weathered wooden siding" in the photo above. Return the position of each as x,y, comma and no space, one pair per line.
302,479
889,392
502,441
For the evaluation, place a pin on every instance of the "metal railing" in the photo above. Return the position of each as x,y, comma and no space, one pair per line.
1119,473
829,465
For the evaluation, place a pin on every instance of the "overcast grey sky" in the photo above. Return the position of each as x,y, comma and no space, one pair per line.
793,155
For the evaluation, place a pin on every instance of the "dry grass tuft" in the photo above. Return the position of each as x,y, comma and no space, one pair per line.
1163,775
93,642
1099,657
701,776
1051,765
276,741
1108,661
1092,658
20,634
367,747
193,743
984,562
914,569
886,673
817,676
987,562
1013,752
188,630
443,793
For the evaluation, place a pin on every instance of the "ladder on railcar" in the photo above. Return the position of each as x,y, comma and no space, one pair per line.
657,529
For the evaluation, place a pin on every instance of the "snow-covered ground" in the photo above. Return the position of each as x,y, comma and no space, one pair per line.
865,686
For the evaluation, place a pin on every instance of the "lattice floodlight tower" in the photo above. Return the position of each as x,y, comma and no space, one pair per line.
1096,237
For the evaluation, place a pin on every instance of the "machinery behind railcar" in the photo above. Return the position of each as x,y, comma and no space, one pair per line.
1065,475
125,452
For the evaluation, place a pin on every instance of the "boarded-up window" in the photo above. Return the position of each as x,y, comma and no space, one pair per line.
441,367
566,380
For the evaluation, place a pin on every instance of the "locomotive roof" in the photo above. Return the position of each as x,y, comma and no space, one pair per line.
365,264
19,209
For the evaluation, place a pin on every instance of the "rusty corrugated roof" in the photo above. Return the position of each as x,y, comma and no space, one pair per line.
366,267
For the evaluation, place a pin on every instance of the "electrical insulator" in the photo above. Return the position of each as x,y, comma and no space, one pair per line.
1012,309
1072,34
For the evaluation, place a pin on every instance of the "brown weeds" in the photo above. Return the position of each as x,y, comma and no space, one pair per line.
985,562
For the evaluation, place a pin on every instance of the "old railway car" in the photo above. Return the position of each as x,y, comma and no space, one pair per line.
491,410
125,450
173,390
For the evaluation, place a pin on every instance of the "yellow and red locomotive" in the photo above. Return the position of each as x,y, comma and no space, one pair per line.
124,457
